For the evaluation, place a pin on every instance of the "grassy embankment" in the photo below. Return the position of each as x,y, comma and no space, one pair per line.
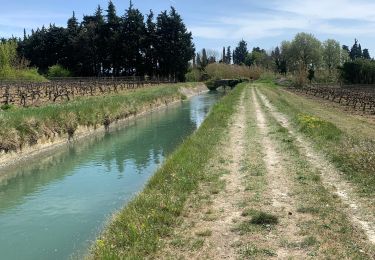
135,232
345,139
315,227
25,126
327,229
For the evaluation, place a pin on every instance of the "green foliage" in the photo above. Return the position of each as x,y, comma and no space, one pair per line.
6,107
263,218
112,45
204,59
173,58
240,53
331,54
258,57
359,71
57,71
366,54
194,75
228,58
14,68
356,51
225,71
8,55
314,126
216,71
305,51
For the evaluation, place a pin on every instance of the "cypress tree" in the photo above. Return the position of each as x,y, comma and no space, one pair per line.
228,57
366,54
174,46
133,32
240,53
223,60
150,42
355,51
204,59
198,60
111,35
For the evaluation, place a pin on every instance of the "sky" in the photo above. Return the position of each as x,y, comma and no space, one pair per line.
218,23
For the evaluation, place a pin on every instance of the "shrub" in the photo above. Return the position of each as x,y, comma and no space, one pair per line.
57,71
226,71
6,107
358,72
13,67
262,218
315,126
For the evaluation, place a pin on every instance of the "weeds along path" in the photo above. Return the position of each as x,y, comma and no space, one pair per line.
279,189
331,177
206,228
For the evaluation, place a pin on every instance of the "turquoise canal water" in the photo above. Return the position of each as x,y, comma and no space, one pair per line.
54,208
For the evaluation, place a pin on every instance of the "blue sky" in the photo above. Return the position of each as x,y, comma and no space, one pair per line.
219,23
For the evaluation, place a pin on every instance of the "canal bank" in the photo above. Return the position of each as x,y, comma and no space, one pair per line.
41,125
53,208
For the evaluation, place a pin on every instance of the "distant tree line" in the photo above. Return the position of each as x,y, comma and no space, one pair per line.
108,44
306,55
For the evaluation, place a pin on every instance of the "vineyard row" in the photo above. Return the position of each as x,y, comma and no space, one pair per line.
356,97
31,94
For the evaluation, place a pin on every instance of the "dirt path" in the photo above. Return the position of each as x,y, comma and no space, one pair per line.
206,231
279,188
331,177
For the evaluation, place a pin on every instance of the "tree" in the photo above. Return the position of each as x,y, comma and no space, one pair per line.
228,57
212,55
258,57
346,48
356,51
133,42
240,53
204,59
276,57
150,42
305,51
90,36
110,45
366,54
198,61
174,45
223,60
111,33
331,54
286,58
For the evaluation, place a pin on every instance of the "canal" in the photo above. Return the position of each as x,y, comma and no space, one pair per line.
54,207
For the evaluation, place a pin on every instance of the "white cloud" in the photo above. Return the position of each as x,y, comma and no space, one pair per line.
333,17
329,9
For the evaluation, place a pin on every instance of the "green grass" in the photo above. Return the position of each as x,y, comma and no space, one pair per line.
135,232
24,126
327,229
253,252
264,218
353,154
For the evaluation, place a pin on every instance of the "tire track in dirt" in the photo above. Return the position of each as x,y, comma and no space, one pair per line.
279,188
220,238
330,176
